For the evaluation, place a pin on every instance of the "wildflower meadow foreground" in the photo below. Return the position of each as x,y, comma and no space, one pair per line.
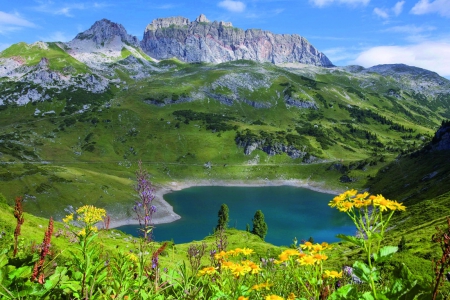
86,270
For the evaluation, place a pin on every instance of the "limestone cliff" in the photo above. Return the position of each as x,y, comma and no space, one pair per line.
204,41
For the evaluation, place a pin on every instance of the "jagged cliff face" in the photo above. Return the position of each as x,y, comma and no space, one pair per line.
103,33
205,41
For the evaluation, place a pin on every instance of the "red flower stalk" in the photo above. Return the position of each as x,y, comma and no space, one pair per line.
45,249
443,238
155,263
106,221
18,214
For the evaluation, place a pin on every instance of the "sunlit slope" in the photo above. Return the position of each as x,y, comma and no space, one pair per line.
232,121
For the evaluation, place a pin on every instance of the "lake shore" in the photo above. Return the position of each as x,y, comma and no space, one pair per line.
165,213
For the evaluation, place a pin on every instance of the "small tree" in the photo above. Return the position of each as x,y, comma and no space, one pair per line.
222,222
259,225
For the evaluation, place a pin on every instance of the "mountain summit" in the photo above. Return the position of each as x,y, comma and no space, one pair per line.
204,41
104,32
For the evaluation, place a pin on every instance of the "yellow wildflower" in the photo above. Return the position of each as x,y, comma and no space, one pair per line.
207,271
274,297
307,260
350,193
325,245
68,218
255,269
227,264
346,206
247,251
221,255
288,253
333,274
82,232
239,270
90,214
398,206
317,248
320,257
307,245
291,296
265,285
133,257
242,298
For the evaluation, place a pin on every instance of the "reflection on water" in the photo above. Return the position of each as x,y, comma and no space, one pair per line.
289,212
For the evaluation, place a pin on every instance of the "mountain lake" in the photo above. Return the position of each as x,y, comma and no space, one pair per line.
290,212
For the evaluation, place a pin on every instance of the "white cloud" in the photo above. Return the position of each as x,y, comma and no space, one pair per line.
434,56
233,6
398,8
410,29
322,3
340,54
57,36
386,13
382,13
14,19
442,7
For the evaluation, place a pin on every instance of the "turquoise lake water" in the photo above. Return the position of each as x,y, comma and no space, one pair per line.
289,212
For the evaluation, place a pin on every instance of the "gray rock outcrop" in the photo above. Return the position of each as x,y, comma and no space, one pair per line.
217,42
441,140
103,32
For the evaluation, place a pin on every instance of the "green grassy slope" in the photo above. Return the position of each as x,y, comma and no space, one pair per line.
175,122
31,54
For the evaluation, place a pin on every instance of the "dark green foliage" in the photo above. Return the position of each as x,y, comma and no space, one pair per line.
222,222
214,122
259,225
402,244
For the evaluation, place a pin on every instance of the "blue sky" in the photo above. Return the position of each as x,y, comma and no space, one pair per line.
363,32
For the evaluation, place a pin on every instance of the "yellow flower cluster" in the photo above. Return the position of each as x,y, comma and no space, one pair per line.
237,269
245,267
90,214
235,252
207,271
351,199
274,297
261,286
132,257
314,255
68,218
332,274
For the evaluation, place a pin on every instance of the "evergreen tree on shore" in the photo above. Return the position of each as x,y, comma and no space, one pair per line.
259,225
222,222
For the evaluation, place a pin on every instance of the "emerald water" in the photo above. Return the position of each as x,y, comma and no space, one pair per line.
289,212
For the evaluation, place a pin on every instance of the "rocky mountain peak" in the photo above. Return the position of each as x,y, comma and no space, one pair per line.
167,22
217,42
202,18
104,32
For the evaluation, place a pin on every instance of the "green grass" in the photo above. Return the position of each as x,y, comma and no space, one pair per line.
32,54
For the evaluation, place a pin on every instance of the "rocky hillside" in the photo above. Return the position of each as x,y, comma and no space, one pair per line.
206,41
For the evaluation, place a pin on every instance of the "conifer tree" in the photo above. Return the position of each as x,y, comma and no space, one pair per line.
259,225
222,222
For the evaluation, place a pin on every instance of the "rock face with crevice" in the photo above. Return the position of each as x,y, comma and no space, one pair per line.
204,41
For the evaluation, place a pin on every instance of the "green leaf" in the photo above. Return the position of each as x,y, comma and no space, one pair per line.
385,253
354,240
368,296
344,292
364,272
22,272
